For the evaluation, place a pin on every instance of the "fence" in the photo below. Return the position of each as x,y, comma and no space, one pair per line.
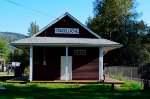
127,72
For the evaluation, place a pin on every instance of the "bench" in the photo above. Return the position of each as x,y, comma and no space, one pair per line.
113,84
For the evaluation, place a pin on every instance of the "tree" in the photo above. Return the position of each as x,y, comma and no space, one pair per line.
3,49
116,20
34,28
110,15
22,56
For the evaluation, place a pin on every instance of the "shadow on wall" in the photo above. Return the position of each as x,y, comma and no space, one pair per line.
144,72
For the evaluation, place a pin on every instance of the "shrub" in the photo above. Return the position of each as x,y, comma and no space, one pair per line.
130,84
26,70
134,85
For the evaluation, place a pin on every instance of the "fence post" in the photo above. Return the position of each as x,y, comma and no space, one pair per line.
116,71
131,73
110,70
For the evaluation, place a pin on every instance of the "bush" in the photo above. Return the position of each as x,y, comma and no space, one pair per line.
134,85
26,70
130,84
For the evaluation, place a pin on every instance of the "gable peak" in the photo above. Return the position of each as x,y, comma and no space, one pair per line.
73,18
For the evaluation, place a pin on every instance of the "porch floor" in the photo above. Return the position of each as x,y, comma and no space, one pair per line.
106,81
25,80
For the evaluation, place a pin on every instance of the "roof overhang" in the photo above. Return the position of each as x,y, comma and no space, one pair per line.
70,42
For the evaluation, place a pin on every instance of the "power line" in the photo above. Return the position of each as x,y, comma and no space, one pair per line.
28,8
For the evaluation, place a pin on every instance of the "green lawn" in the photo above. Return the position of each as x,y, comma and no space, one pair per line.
70,91
6,73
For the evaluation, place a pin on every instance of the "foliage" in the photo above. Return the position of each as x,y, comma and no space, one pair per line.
144,71
110,15
26,70
15,55
33,29
21,56
3,49
133,84
8,37
129,84
116,20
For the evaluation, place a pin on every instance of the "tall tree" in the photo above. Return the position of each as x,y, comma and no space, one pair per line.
116,20
110,15
33,29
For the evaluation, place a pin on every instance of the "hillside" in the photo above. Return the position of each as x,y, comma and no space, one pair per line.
10,36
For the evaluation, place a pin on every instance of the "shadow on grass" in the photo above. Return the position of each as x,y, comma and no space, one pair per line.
4,78
67,91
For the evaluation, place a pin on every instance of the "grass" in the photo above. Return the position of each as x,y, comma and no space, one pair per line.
69,91
129,90
6,76
131,84
6,73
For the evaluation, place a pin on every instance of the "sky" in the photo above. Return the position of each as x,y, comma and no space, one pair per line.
16,15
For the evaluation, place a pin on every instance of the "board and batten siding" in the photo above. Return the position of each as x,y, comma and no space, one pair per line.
50,71
84,67
66,22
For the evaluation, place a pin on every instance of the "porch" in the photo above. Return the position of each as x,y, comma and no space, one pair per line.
25,79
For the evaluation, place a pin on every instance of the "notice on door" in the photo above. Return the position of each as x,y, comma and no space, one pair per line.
67,30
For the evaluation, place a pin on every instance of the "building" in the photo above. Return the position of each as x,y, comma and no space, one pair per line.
66,50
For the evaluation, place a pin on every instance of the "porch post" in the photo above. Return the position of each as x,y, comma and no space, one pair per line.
31,63
101,54
66,63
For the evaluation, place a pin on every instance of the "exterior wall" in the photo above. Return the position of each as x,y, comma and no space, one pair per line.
84,67
50,71
66,22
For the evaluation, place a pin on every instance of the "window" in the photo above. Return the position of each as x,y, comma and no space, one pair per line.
79,52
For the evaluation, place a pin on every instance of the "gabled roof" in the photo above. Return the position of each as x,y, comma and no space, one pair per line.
70,42
67,41
61,41
61,17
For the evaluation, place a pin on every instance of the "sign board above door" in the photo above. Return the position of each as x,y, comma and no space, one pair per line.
66,30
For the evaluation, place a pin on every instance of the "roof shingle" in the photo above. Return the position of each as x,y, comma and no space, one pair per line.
65,41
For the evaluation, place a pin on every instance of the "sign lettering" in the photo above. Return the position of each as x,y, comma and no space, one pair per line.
67,30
